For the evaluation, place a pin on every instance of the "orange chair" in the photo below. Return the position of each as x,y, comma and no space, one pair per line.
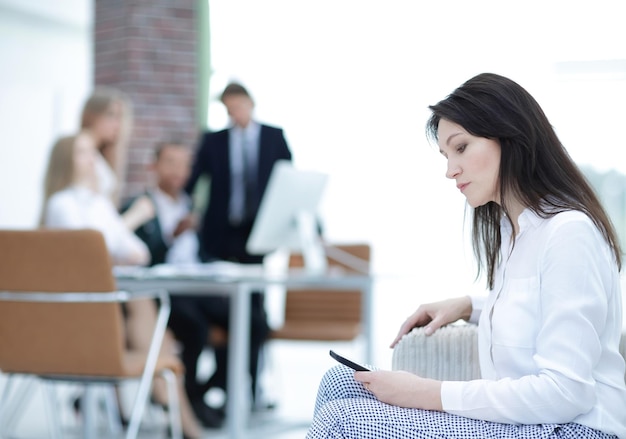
320,315
61,320
326,315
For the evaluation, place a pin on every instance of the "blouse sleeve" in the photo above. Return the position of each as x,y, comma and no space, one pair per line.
67,212
125,247
477,307
63,213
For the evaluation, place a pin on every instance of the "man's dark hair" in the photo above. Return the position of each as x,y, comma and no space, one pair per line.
166,144
235,89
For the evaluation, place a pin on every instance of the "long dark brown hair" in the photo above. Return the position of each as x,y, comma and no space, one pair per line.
535,168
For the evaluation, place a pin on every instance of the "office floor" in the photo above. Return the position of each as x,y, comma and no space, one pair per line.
290,378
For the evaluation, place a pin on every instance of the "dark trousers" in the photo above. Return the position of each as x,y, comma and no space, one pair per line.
191,318
230,246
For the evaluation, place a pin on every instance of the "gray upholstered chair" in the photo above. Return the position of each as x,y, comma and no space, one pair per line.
451,353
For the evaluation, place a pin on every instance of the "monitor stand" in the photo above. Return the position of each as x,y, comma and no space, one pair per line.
315,262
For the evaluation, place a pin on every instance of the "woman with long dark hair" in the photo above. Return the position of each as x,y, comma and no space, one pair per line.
548,332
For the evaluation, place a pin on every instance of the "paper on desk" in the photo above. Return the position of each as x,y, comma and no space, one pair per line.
210,269
129,271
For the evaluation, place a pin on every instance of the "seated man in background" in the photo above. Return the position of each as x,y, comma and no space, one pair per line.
171,238
170,235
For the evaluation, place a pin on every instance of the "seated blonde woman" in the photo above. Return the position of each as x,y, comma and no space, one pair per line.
74,201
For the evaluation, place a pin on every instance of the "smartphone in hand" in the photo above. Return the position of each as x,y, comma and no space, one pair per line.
347,362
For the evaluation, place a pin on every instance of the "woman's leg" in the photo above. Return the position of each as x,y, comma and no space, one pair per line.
140,320
189,422
141,316
366,418
190,327
345,409
339,383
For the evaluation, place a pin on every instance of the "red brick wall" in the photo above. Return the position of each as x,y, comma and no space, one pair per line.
147,48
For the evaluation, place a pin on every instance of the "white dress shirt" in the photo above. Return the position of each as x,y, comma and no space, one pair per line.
107,180
549,331
78,207
184,248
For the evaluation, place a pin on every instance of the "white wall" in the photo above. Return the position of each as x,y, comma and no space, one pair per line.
350,82
46,52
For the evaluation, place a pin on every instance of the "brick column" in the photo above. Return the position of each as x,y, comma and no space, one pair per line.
147,48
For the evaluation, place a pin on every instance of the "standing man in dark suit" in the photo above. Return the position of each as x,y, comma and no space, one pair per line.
238,161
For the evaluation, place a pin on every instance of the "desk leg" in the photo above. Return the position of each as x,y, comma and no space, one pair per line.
238,402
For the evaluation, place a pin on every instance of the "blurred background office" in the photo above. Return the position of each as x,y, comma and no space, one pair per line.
349,82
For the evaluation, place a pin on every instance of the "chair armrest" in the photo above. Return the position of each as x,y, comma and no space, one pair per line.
83,297
451,353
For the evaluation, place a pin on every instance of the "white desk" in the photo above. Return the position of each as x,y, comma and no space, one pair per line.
238,286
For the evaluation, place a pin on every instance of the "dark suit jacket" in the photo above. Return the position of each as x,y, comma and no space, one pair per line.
213,159
150,233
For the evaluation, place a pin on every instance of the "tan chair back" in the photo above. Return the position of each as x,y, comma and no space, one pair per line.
58,338
324,314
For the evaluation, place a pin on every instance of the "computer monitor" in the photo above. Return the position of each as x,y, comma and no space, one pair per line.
287,217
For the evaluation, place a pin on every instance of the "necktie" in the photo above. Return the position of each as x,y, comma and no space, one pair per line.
249,180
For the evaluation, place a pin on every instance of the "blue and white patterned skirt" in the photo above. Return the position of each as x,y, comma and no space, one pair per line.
345,409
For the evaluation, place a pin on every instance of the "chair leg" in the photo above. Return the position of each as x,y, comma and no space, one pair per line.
113,408
89,408
139,405
4,398
51,405
269,372
174,404
145,382
11,414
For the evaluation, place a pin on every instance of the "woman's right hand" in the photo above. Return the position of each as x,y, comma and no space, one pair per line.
189,222
140,212
435,315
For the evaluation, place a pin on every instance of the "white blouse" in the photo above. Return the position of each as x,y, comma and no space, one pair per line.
549,331
184,248
107,180
78,207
